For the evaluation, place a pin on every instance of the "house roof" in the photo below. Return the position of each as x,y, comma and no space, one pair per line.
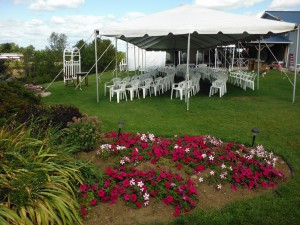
11,55
286,16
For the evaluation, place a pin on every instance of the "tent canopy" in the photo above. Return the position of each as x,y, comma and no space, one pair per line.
168,30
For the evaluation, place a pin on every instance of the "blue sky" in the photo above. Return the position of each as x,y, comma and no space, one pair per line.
28,22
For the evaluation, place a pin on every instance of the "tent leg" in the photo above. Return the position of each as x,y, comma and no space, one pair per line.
187,73
295,65
116,53
96,66
258,63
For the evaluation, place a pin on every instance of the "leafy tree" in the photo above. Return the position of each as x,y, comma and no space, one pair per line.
9,47
28,53
57,42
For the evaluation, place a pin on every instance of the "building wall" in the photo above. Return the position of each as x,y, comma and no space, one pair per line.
292,36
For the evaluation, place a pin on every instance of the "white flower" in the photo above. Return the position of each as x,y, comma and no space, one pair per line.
144,138
187,150
175,146
122,162
146,203
219,186
120,147
132,182
200,179
146,196
230,168
223,166
126,159
211,158
140,184
151,137
173,184
212,172
203,155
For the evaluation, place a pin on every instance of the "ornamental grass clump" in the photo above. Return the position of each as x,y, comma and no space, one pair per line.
204,157
38,181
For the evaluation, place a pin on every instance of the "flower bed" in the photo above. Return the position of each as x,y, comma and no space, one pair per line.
173,162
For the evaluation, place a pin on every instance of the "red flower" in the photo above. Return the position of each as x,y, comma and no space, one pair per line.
83,187
138,204
107,183
163,175
101,193
126,197
177,211
126,183
114,192
133,198
168,200
200,168
264,184
168,185
93,202
179,166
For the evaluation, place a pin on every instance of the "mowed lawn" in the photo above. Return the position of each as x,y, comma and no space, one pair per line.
229,118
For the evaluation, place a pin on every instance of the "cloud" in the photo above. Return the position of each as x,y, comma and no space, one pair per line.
51,5
284,4
37,31
226,4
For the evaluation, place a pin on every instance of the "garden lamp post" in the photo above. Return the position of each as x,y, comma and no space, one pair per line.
120,126
255,131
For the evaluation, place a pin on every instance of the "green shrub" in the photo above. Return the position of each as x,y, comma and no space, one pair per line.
15,98
61,115
84,133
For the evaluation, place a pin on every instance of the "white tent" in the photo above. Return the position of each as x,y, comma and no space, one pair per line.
192,27
139,59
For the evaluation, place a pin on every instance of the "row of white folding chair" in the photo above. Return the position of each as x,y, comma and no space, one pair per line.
242,79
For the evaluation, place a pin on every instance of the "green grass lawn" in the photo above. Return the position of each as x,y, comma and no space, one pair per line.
229,118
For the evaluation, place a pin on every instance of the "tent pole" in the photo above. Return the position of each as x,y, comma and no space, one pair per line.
295,65
134,60
145,59
96,66
187,73
258,63
116,53
209,58
225,57
232,61
127,56
216,52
